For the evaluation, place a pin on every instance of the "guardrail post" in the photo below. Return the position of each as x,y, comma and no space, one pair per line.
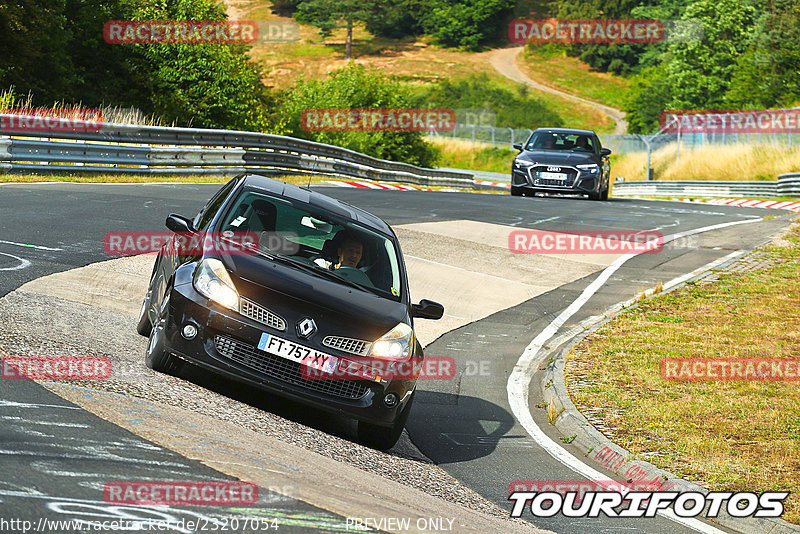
512,136
492,127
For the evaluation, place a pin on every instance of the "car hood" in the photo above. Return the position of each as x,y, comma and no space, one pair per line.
337,309
556,157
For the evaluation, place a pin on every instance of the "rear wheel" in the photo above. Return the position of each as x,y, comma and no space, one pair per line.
384,438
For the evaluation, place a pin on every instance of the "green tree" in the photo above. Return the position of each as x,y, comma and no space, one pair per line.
701,71
357,87
768,73
648,95
465,23
328,15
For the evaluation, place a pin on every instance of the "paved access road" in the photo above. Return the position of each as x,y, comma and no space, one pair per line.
465,425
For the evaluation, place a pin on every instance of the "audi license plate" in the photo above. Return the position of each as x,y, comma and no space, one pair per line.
297,353
552,176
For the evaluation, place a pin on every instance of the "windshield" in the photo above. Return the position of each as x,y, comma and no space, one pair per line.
561,141
289,230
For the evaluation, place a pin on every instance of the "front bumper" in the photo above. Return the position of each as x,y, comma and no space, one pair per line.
578,181
226,344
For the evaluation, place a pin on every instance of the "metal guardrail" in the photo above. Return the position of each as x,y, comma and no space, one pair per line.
134,149
699,188
789,185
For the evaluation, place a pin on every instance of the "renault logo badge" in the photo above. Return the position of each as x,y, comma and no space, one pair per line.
306,327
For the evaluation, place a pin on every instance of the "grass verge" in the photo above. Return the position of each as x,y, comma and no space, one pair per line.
475,156
570,75
731,435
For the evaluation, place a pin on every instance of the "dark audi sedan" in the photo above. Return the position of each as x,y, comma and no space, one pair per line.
561,160
295,293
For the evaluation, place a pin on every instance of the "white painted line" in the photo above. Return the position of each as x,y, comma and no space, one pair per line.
41,247
22,263
520,379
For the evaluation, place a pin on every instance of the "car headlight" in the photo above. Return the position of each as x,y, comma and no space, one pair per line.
591,168
396,344
520,163
212,280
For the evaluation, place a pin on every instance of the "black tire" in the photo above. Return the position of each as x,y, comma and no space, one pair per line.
595,196
384,438
604,196
516,191
156,357
144,326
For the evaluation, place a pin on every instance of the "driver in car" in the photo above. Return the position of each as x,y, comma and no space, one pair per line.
349,252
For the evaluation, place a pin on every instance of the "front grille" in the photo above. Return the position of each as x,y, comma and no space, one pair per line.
346,344
260,314
568,183
285,370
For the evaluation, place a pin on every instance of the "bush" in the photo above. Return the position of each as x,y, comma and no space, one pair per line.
513,109
355,86
465,23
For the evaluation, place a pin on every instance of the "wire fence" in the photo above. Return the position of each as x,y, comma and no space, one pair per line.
622,143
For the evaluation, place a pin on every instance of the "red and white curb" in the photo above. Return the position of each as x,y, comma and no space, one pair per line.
374,185
504,185
745,203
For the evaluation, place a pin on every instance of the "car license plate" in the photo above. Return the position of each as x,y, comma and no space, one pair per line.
297,353
552,176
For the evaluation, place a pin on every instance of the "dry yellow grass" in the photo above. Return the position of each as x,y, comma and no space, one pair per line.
474,155
710,162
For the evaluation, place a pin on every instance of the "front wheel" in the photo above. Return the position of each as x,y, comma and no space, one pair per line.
144,326
156,356
384,438
516,191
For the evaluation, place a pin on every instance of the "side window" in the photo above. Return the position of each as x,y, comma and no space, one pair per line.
206,215
598,147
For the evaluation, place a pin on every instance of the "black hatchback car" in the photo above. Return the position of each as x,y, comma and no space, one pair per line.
308,311
561,160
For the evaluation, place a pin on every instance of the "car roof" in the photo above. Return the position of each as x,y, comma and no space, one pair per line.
318,201
565,130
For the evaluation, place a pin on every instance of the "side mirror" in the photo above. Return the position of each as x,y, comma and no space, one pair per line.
605,151
179,223
427,309
517,146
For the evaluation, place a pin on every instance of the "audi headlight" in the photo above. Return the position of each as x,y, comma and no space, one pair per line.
212,280
520,163
396,344
591,168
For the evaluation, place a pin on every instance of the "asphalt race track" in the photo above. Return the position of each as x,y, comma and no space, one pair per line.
464,425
